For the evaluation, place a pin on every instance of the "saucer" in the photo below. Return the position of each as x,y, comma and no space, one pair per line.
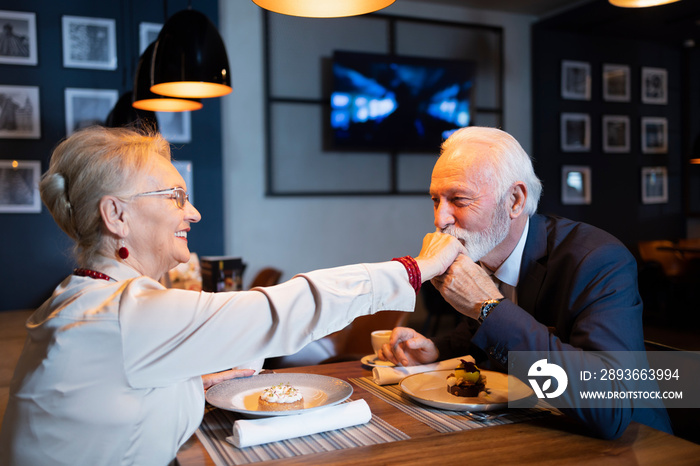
372,361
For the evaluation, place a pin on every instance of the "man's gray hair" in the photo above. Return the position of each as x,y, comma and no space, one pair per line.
509,162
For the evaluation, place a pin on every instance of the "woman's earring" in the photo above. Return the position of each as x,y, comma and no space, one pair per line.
122,251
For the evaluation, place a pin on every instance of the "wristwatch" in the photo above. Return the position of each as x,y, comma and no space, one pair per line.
486,307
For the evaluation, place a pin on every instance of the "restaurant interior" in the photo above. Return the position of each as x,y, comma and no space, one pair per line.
605,99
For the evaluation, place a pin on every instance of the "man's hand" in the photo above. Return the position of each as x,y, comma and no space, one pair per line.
212,379
465,286
408,348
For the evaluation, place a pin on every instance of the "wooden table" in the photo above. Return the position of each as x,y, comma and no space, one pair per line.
550,440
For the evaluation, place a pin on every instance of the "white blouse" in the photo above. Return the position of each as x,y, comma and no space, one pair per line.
111,370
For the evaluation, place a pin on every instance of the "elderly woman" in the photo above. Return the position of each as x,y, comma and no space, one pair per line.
112,371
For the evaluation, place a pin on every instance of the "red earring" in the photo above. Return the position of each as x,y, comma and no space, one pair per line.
123,252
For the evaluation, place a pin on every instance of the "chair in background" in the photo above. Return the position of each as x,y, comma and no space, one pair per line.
266,277
354,341
671,262
349,344
661,275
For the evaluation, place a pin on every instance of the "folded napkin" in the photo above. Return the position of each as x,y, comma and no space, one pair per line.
389,375
249,432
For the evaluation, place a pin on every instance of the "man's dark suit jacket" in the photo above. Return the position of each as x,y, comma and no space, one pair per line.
577,291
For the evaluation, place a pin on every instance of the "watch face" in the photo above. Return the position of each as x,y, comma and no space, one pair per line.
486,308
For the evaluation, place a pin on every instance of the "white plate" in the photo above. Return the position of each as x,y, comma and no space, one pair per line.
430,388
372,361
241,395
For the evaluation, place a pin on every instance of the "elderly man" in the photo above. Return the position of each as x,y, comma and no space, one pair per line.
530,282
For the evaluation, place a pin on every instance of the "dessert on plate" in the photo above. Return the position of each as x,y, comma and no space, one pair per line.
280,397
466,380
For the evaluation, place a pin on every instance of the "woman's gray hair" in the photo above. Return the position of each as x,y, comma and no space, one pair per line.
509,162
92,163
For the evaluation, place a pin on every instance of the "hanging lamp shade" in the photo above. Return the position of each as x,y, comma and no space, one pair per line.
189,59
323,8
144,99
639,3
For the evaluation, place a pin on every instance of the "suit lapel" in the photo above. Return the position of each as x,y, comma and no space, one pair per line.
532,269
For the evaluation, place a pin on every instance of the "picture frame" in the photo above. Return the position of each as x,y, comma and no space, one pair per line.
654,86
20,112
575,80
176,127
616,83
89,43
654,135
148,33
184,167
616,133
87,107
575,185
575,132
654,185
19,186
19,37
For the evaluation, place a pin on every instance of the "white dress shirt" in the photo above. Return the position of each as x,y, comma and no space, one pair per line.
111,370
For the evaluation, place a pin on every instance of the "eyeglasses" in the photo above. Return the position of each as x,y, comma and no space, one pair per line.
178,194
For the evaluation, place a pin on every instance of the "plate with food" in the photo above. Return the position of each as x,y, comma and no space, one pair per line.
278,394
371,360
466,388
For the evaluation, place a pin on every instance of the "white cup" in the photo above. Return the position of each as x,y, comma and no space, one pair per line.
379,337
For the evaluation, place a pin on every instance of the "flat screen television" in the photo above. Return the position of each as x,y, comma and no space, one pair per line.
399,103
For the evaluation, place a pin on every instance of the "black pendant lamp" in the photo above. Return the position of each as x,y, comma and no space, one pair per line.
144,99
189,59
124,114
323,8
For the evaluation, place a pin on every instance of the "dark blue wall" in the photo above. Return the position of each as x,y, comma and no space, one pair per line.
616,178
35,255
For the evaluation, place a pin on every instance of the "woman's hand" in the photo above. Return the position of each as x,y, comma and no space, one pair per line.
438,253
212,379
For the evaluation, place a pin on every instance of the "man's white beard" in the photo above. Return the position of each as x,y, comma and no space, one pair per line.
480,243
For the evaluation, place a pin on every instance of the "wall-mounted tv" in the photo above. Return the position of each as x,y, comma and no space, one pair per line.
398,103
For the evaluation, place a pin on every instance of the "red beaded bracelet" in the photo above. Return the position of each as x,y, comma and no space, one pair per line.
414,276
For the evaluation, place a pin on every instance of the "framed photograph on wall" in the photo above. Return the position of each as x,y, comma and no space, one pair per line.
575,132
18,38
176,127
89,43
184,167
575,185
654,135
616,133
19,186
87,107
19,112
575,80
654,86
616,83
654,185
148,33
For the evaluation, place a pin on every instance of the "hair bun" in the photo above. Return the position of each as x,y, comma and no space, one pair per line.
53,188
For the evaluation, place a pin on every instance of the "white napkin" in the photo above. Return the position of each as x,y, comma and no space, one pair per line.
389,375
249,432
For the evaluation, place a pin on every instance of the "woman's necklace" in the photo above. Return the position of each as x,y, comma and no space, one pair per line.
92,274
